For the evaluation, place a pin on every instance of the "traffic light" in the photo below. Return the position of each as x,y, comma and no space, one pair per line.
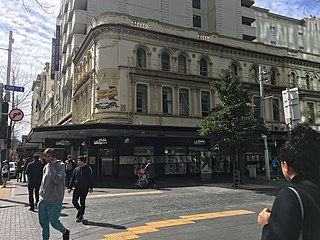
5,110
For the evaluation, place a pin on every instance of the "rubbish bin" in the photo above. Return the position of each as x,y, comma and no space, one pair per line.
252,171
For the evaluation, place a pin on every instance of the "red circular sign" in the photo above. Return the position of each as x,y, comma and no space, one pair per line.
16,114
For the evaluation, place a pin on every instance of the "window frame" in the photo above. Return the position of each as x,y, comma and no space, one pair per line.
167,102
196,4
203,68
205,103
141,59
142,98
183,64
196,21
165,63
184,102
276,109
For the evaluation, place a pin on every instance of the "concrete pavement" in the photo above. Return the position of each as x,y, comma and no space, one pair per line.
110,210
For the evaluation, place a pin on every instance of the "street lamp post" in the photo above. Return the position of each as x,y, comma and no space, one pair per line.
262,72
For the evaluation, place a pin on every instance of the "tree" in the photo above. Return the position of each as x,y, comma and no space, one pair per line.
44,7
232,124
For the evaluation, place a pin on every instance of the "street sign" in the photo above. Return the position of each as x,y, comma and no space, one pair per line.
16,114
13,88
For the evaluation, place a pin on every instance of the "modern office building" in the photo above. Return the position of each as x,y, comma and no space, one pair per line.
135,81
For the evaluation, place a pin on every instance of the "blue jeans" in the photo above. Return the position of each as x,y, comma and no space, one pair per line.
49,213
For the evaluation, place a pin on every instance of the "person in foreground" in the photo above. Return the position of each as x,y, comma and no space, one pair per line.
51,195
295,211
82,179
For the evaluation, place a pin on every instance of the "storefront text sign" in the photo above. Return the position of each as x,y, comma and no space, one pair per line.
199,142
62,143
100,141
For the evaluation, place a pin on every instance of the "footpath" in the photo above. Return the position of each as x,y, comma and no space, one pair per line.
17,222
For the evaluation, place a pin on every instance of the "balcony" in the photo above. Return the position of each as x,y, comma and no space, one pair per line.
248,16
249,33
79,21
247,3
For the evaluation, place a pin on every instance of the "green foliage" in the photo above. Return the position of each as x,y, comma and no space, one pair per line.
232,123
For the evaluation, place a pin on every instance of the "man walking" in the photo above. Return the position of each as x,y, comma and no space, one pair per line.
20,164
34,173
82,179
51,195
70,166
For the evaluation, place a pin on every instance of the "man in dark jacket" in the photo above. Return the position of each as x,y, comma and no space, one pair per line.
34,173
300,164
82,180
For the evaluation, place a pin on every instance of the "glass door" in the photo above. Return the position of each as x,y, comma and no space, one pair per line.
106,162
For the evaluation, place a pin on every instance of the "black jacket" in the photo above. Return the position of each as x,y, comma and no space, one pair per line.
285,219
34,172
82,178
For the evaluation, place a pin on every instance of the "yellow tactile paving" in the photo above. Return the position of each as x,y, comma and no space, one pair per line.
119,194
169,223
153,226
216,215
121,236
5,192
142,229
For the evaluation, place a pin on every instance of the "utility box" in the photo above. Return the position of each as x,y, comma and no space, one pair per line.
252,171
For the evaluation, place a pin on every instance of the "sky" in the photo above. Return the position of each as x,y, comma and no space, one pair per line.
33,29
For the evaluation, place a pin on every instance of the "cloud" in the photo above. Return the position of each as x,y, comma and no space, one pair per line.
298,9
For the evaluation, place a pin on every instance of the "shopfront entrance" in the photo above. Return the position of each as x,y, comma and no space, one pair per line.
106,160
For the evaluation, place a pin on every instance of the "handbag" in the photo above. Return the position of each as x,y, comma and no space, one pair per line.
302,210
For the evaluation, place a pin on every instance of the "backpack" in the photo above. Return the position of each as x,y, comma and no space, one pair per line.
69,165
274,163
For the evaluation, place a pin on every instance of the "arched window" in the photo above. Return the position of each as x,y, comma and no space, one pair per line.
234,70
165,61
308,82
273,77
182,64
293,80
203,67
141,58
255,74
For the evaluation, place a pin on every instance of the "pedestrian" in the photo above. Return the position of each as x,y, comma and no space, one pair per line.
25,164
34,173
82,181
275,168
51,195
20,164
4,173
295,211
152,173
70,166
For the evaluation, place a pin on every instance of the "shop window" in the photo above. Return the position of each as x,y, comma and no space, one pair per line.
205,103
203,67
142,99
175,160
184,102
167,100
182,64
141,58
141,156
165,61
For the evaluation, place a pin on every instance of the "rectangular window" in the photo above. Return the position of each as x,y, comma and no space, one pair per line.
196,4
256,106
273,30
300,38
273,42
184,102
142,99
311,114
205,103
167,100
276,110
197,21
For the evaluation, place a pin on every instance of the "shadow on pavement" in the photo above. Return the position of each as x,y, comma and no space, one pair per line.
13,201
108,225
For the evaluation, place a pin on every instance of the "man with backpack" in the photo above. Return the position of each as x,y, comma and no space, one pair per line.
70,166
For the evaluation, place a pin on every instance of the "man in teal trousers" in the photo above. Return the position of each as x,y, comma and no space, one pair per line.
51,195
